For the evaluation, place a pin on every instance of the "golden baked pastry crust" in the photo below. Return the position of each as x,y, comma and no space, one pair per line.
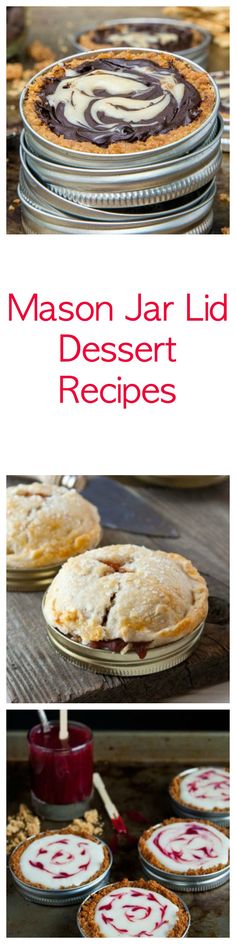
15,858
147,854
127,592
200,80
48,523
87,911
174,791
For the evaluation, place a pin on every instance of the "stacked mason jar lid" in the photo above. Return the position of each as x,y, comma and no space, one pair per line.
166,189
223,84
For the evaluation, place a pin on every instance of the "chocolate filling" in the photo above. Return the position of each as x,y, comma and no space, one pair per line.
108,609
161,99
116,645
183,35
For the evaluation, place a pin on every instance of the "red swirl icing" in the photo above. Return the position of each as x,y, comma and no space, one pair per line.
206,787
137,912
186,846
58,858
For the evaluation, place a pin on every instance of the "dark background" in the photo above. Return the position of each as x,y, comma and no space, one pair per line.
122,719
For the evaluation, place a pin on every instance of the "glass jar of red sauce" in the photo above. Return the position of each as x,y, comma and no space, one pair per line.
61,771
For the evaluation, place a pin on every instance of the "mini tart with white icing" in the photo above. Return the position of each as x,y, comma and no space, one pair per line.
47,524
118,101
186,847
203,789
126,595
59,859
133,909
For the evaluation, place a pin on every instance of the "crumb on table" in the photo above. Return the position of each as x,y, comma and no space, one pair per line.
39,52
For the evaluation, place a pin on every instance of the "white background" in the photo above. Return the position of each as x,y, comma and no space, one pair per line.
195,435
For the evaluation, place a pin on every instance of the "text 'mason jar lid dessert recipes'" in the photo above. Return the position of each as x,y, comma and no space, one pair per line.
203,791
60,864
186,853
127,599
118,102
133,909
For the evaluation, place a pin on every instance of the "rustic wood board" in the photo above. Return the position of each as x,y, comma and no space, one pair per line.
55,30
37,673
137,787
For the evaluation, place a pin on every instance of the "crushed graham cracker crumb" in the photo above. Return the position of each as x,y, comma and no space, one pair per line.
224,197
39,52
14,70
24,823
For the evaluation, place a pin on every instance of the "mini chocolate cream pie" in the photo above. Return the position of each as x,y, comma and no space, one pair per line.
48,523
59,860
186,847
171,37
126,597
113,103
133,909
204,789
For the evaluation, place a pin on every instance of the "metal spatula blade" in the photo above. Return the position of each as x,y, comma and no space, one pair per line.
123,509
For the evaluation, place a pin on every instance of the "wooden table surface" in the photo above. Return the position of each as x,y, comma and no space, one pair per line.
55,26
37,673
137,768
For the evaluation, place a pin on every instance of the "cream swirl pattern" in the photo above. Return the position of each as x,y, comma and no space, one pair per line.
61,860
136,912
188,846
131,37
206,788
148,35
103,101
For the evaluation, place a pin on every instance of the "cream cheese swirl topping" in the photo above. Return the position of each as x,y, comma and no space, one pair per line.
149,35
206,788
132,38
189,846
107,100
135,912
61,860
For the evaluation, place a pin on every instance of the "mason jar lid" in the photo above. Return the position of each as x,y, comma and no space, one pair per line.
60,154
198,53
64,896
221,817
106,890
129,664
